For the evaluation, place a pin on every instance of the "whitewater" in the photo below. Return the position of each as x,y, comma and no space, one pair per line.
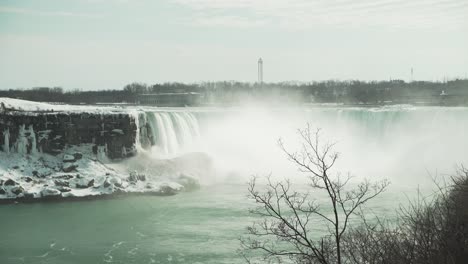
410,146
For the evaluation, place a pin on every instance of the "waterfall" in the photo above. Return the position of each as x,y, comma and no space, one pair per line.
193,124
26,142
124,151
136,115
172,131
160,129
173,146
183,129
6,140
101,153
22,141
32,135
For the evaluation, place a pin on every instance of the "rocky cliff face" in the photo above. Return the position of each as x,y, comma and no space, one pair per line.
112,133
83,151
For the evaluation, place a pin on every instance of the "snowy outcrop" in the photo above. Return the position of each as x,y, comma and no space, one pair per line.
116,133
59,151
29,177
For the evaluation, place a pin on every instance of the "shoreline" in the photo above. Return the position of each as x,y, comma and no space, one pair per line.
60,199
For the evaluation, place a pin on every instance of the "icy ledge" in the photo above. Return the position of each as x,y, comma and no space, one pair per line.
73,175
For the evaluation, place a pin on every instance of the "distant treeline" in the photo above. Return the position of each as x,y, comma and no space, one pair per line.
453,92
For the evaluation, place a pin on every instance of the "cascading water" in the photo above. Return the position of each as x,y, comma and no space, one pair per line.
6,140
402,143
193,124
183,129
32,136
101,153
159,132
22,141
26,142
172,132
136,118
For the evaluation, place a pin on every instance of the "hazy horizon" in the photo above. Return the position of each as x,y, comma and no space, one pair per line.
97,44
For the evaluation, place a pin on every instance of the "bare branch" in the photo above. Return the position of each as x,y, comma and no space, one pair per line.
285,231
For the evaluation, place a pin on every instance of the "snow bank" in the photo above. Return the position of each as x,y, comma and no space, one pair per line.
75,173
11,104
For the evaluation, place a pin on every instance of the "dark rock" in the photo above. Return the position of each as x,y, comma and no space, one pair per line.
141,177
65,176
118,184
28,195
2,191
106,183
119,191
77,155
91,183
28,179
17,190
15,167
69,167
62,183
42,173
9,182
133,177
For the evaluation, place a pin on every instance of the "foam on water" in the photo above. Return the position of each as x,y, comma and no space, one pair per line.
403,144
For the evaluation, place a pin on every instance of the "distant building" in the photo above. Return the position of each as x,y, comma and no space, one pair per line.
260,70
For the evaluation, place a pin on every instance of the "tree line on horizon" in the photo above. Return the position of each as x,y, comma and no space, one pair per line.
454,92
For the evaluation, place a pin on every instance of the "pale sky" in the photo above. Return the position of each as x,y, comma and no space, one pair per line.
105,44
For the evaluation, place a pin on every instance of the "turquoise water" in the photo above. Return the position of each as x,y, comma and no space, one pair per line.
201,226
198,227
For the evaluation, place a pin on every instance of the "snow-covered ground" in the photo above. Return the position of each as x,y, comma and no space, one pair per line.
75,173
24,105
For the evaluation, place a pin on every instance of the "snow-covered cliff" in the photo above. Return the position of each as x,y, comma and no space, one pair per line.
60,151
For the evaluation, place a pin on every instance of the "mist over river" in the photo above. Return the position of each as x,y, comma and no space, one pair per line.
407,145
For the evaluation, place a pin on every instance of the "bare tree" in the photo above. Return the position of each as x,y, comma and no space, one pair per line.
431,229
288,229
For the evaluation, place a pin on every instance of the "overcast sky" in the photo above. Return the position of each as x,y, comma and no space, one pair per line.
105,44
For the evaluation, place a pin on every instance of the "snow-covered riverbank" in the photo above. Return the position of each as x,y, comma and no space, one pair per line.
75,173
